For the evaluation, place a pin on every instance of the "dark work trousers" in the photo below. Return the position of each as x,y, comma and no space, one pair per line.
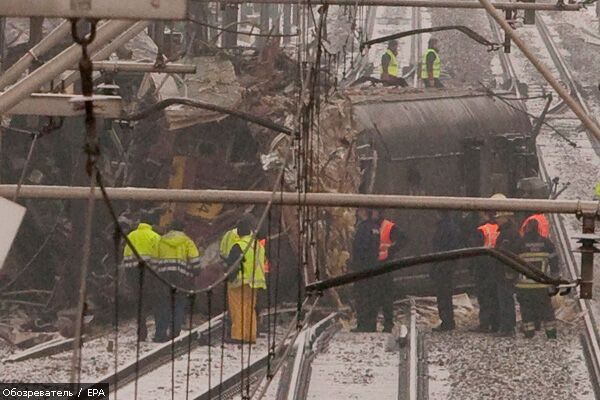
506,305
486,290
169,314
442,276
536,308
132,275
370,296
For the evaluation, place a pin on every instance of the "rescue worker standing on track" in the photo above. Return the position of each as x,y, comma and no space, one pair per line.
447,236
484,277
536,307
375,239
390,67
178,262
431,66
145,241
509,240
244,282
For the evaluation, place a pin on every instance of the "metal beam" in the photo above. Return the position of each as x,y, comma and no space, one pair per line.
105,52
416,3
52,39
97,9
542,69
65,60
309,199
129,66
65,105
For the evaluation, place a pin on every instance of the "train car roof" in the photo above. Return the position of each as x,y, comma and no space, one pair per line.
413,121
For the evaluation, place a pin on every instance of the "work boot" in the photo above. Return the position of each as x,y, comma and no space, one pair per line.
551,334
529,334
160,339
444,327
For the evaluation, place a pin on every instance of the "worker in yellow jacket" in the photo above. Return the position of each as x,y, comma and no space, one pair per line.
145,241
178,262
244,282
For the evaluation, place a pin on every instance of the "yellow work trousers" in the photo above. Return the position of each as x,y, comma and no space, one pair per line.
242,311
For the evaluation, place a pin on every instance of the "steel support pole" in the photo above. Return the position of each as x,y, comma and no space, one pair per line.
105,52
131,66
308,199
16,70
51,69
562,92
416,3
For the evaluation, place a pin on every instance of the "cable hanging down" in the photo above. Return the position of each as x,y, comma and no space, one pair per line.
492,46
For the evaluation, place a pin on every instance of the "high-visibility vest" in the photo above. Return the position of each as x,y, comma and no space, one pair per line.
539,260
227,242
178,253
490,233
437,65
145,241
267,266
543,225
251,272
385,240
598,185
393,65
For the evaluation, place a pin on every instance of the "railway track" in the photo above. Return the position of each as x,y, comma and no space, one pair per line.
332,363
590,338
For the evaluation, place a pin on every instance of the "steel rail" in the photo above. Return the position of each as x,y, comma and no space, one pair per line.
231,385
565,73
590,337
309,344
415,3
312,199
161,355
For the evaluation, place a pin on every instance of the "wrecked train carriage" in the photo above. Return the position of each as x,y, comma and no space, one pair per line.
440,143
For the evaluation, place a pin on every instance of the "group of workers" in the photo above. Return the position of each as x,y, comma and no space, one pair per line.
175,258
497,283
376,238
431,66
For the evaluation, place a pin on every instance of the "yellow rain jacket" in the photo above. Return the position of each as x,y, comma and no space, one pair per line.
145,241
252,271
177,253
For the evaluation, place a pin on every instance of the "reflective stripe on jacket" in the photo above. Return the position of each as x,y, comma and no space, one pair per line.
437,65
392,69
178,253
253,261
490,233
542,223
385,239
539,260
145,241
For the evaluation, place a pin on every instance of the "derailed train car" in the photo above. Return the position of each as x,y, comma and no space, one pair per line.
440,143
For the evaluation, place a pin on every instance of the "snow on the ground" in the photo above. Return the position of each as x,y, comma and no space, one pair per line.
473,366
355,366
97,360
